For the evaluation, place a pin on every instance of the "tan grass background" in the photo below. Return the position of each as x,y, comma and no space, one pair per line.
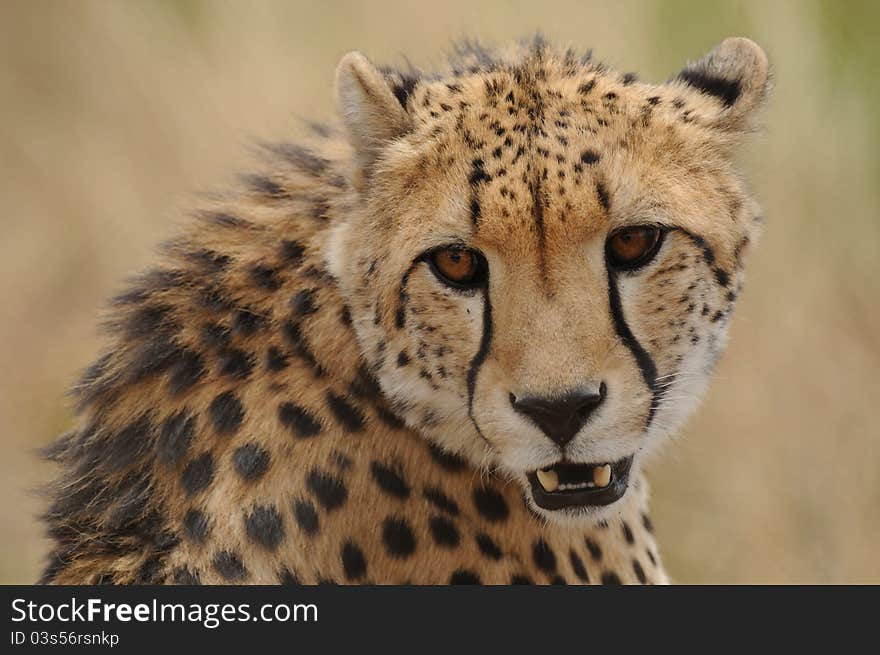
112,113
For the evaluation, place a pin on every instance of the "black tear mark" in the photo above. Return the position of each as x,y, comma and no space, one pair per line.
403,296
725,90
643,360
480,357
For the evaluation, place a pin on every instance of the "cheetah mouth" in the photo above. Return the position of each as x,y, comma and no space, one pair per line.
567,485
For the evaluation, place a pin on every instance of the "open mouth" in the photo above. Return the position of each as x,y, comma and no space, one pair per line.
580,485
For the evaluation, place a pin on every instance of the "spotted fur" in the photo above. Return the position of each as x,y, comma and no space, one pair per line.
291,396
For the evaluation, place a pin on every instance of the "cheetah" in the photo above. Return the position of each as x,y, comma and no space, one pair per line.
433,341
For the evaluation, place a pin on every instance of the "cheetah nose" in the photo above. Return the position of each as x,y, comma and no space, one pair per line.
560,417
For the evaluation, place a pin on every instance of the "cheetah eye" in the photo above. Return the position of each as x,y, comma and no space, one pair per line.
632,247
458,267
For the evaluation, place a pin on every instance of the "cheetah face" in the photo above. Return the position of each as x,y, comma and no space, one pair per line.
543,257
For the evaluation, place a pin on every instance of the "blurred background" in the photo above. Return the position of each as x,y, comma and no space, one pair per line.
113,113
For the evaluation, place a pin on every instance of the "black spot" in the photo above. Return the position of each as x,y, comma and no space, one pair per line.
306,516
389,480
298,420
226,413
444,532
247,322
235,363
303,302
348,415
216,335
544,557
223,219
725,90
646,521
558,580
329,490
214,299
195,526
578,566
586,87
129,445
292,252
210,261
184,576
478,173
353,561
722,276
198,474
149,571
629,78
152,357
602,194
488,547
627,533
251,461
640,572
175,436
229,565
398,537
301,347
265,185
490,504
609,578
288,578
520,579
463,576
265,277
589,157
186,371
146,321
276,360
389,418
593,547
447,461
441,501
264,525
402,358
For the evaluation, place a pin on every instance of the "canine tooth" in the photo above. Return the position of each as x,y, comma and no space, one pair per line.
549,479
602,475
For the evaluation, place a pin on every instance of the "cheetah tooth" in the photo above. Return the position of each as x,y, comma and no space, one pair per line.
549,479
602,475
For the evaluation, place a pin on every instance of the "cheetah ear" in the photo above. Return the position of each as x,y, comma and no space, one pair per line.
371,112
735,74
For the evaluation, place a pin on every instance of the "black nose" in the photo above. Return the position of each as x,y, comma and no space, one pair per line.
560,417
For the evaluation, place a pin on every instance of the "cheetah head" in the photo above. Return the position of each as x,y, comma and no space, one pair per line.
542,255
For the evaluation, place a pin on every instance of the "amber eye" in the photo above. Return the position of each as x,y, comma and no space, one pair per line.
632,247
457,266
